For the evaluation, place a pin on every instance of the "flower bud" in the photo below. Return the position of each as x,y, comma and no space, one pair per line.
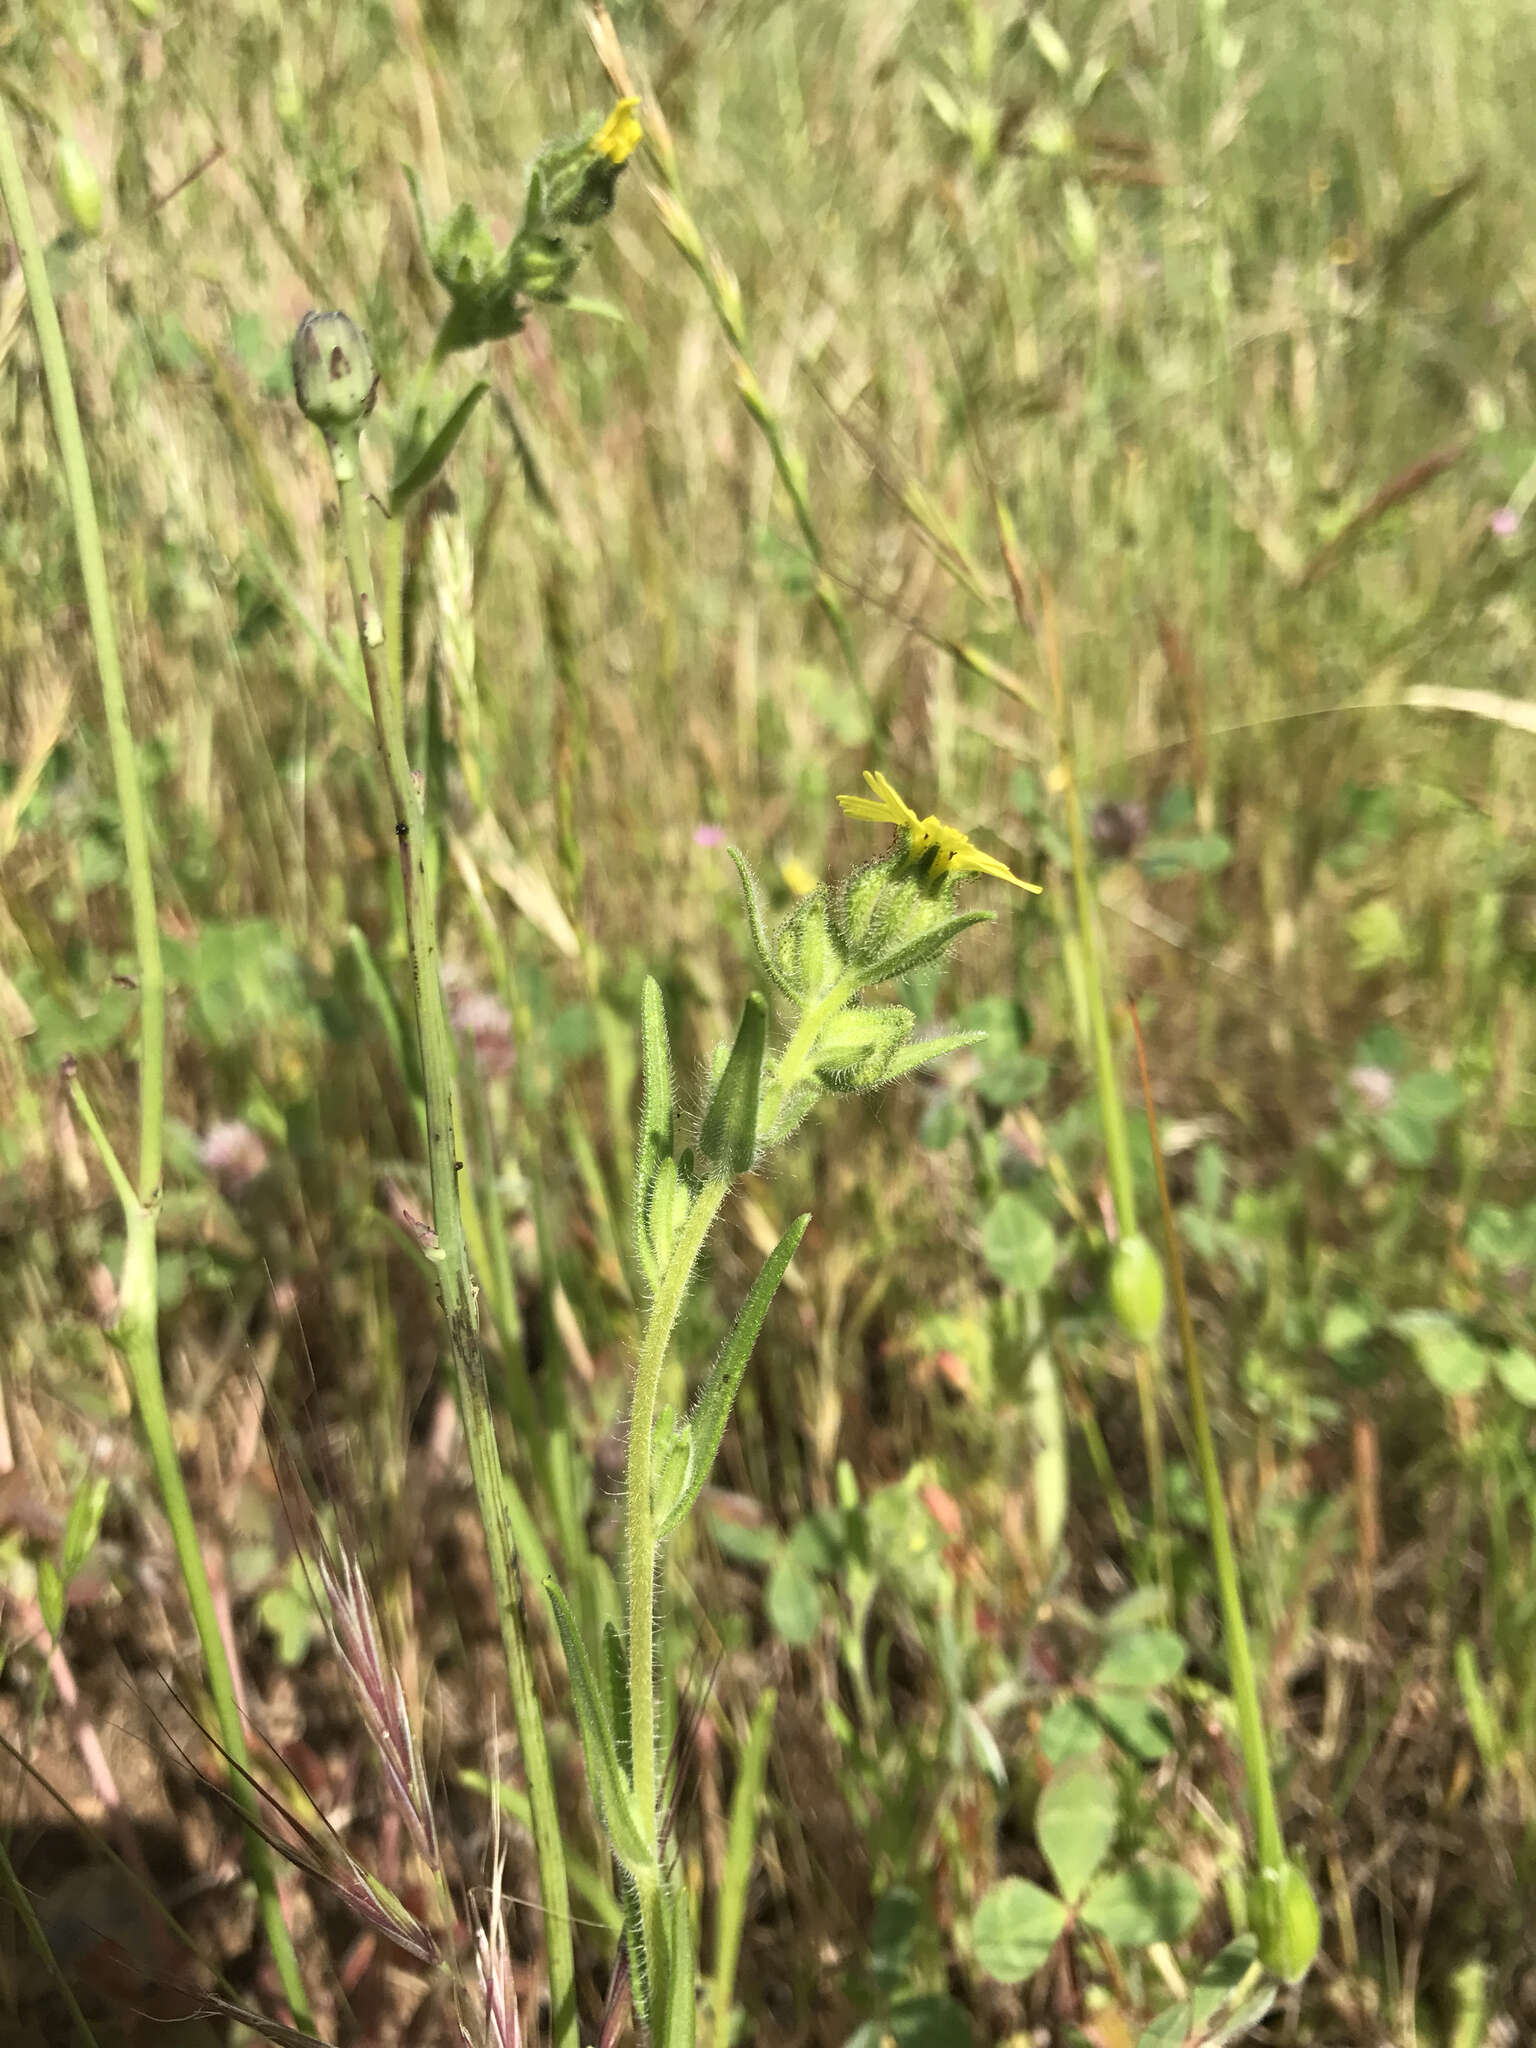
333,374
78,185
1136,1288
1285,1921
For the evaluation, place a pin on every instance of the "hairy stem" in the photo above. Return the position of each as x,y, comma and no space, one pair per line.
639,1523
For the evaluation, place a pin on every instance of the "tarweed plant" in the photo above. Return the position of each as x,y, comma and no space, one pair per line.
893,916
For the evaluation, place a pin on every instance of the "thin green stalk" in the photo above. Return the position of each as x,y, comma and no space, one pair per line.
16,1891
1245,1690
456,1282
740,1843
1117,1150
136,1333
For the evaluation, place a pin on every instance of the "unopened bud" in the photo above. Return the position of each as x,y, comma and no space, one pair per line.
1136,1289
1285,1921
333,374
78,185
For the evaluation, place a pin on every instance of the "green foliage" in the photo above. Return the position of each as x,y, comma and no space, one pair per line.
1207,299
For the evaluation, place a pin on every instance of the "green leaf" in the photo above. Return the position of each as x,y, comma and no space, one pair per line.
50,1597
1223,1978
923,1050
678,2017
1144,1659
1205,853
712,1410
810,961
416,465
1013,1079
84,1523
656,1070
616,1671
1452,1361
898,1916
612,1793
1146,1902
765,952
1015,1928
854,1050
928,2020
792,1601
1139,1725
1516,1370
671,1456
1075,1825
1069,1730
918,952
729,1131
1018,1244
1171,2029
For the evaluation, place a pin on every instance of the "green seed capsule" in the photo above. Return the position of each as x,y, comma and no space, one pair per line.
1136,1289
1285,1921
78,185
333,374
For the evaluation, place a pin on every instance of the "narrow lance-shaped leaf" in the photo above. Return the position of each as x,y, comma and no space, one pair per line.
655,1135
927,946
617,1669
729,1130
713,1408
922,1050
418,465
611,1790
678,2015
755,925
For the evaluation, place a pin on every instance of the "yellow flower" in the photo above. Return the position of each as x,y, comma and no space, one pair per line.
619,134
797,877
950,848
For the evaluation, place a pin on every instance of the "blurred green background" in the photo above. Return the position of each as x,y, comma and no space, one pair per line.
1232,308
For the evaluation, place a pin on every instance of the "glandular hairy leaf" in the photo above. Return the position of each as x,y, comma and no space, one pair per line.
611,1791
729,1131
712,1410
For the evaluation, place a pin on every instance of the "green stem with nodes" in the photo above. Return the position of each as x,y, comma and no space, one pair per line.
456,1282
136,1332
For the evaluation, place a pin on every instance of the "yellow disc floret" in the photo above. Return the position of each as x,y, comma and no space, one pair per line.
948,848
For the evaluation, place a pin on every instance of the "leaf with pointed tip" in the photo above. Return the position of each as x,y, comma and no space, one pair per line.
612,1793
712,1410
616,1666
678,2014
922,1050
418,465
655,1138
729,1131
755,926
671,1461
927,946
